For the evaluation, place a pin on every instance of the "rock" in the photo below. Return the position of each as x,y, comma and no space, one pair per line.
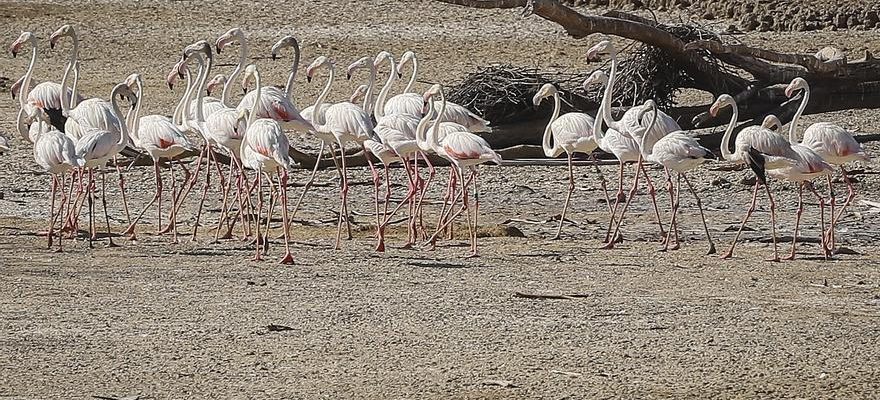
840,21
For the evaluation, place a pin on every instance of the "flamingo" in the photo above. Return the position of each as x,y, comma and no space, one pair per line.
570,133
99,146
406,102
265,147
55,153
834,144
159,137
346,122
464,150
754,145
629,125
808,167
679,152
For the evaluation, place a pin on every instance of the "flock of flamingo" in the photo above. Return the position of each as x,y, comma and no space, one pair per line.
74,139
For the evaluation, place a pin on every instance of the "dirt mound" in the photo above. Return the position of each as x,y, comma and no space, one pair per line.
775,16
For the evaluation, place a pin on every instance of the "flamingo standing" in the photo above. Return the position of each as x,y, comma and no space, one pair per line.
346,122
465,150
630,125
569,133
161,138
754,145
265,147
678,152
809,166
834,144
406,102
99,146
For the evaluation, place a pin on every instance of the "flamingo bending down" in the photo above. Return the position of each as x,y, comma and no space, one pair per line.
629,125
464,150
265,147
159,137
808,167
835,145
99,146
754,145
570,133
678,152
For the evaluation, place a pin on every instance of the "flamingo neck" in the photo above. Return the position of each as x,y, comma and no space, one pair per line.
725,140
379,108
412,78
177,117
433,138
608,94
200,109
317,115
22,126
371,83
26,84
422,128
135,120
598,133
123,127
243,51
549,148
254,107
643,149
792,136
288,88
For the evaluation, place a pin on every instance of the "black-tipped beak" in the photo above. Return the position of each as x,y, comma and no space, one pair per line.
14,53
348,76
207,92
399,75
180,75
308,79
52,45
274,56
219,49
170,86
13,95
244,90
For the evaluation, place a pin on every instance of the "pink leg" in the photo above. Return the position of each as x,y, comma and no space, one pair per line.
282,187
122,190
210,155
772,222
702,215
653,193
567,197
632,193
821,215
343,194
797,222
260,239
746,219
51,231
104,203
132,227
617,202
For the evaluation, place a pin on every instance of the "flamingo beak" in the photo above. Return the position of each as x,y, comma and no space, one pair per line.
713,111
274,56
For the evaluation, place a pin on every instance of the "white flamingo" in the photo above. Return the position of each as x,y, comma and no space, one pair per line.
809,166
97,147
569,133
406,102
630,125
679,152
760,148
265,146
834,144
159,137
465,150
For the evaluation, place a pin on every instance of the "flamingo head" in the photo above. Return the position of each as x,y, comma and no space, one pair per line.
25,37
603,48
363,62
124,92
242,116
436,89
795,85
723,100
382,57
231,36
250,73
405,59
771,122
283,43
358,94
175,72
132,81
598,77
64,30
217,80
545,91
192,50
318,63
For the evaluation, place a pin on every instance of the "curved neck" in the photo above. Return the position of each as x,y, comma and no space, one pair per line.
422,128
725,140
642,148
598,133
545,141
317,115
379,108
792,136
123,128
22,126
135,119
73,101
26,84
242,58
288,88
412,79
200,112
256,105
607,95
368,98
177,117
433,140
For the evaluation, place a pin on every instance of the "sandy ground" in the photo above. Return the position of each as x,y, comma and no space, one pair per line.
192,320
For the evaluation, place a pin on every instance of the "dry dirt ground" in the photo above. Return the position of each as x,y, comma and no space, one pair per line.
191,320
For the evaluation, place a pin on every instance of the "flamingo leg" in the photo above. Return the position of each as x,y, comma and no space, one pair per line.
452,199
104,203
476,175
671,189
132,227
849,198
829,242
51,230
423,191
282,187
259,243
602,182
449,219
617,202
194,177
745,219
309,183
60,215
121,182
225,205
343,194
653,193
567,197
772,222
174,195
702,214
411,192
90,189
675,201
821,214
797,222
450,194
632,193
205,188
